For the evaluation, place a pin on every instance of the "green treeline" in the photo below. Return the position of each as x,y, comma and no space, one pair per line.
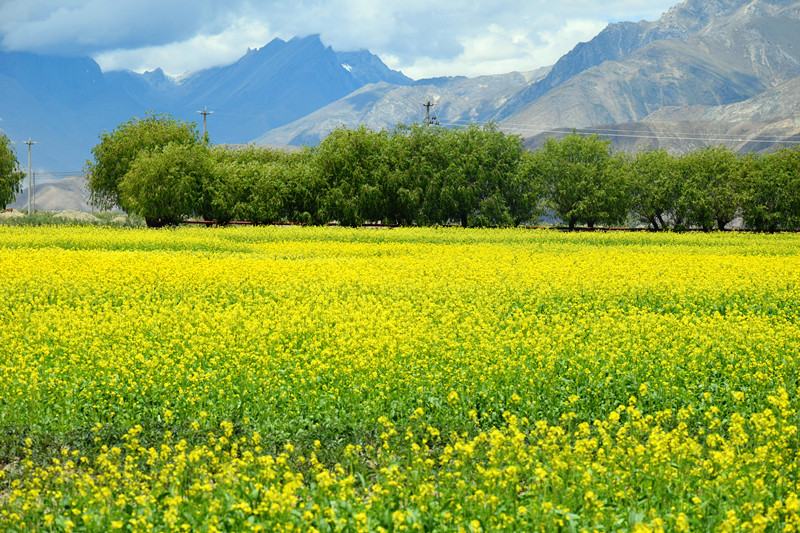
161,169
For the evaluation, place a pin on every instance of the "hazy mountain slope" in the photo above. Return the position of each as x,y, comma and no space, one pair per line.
66,103
762,123
67,193
268,87
776,103
457,100
52,100
741,49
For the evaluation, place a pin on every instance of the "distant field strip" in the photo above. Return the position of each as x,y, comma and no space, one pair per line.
332,379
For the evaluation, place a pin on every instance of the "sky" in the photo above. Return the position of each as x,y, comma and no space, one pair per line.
421,38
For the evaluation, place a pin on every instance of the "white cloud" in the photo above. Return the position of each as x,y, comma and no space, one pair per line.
190,55
556,42
416,36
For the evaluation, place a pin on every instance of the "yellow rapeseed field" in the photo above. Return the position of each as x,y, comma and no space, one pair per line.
331,379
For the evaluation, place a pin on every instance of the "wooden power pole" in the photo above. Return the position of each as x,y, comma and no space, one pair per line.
205,112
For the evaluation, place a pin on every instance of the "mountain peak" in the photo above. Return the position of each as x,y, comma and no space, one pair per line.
266,88
367,68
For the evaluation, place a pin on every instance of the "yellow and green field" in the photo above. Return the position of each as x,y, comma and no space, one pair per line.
330,379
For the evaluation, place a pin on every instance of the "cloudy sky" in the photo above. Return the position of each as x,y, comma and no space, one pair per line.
421,38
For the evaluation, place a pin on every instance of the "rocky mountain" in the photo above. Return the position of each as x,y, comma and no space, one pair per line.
65,103
706,71
59,195
279,83
456,100
707,53
739,49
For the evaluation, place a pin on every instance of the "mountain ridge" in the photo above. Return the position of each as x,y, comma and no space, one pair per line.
698,53
686,68
66,103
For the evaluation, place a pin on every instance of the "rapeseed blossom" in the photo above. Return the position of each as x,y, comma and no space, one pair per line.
301,379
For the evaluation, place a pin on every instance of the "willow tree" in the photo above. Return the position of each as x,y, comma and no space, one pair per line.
116,152
584,181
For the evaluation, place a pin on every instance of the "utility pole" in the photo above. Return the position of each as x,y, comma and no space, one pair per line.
429,120
205,112
30,143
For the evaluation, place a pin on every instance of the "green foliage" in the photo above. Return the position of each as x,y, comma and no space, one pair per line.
115,154
418,174
261,185
771,191
352,163
10,176
480,162
654,180
523,191
584,180
711,185
414,182
165,185
421,174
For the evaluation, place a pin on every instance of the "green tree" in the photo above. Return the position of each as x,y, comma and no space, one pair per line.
524,190
10,176
352,163
116,152
418,158
711,185
653,178
584,181
246,184
166,185
304,189
472,176
411,165
483,164
771,191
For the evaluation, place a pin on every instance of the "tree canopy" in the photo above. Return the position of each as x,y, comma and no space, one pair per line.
159,168
583,180
116,152
166,185
10,176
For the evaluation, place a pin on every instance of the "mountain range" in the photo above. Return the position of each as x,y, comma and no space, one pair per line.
706,72
64,104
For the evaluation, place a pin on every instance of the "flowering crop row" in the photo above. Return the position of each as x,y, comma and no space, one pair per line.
280,379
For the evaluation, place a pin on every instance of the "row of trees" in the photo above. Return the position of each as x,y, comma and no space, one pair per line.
161,169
